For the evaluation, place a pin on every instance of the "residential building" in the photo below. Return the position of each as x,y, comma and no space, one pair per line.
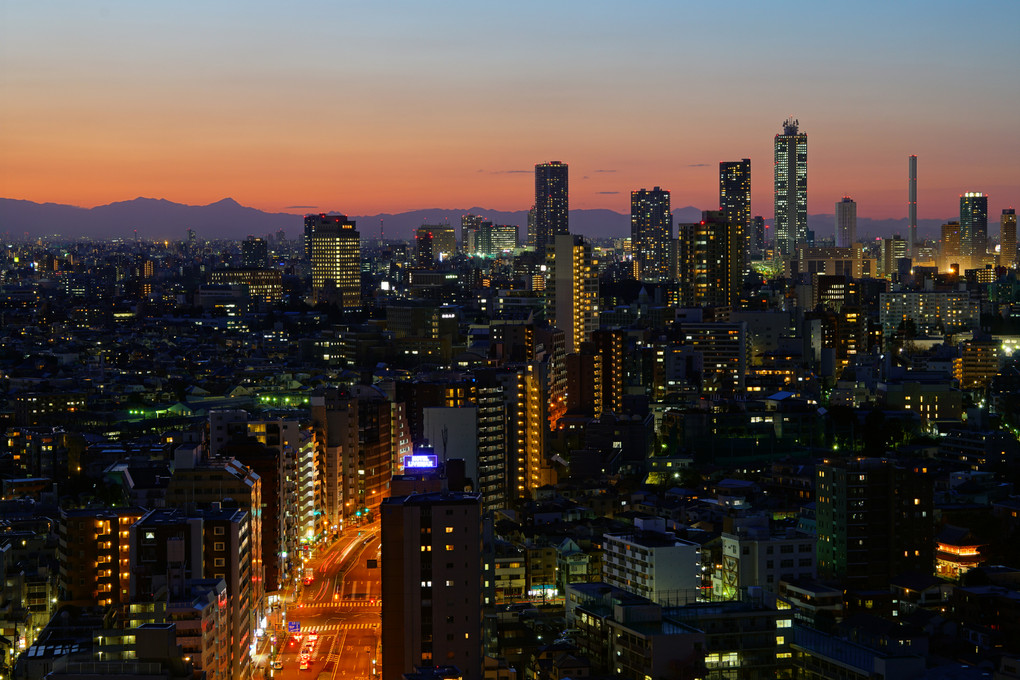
651,232
552,204
846,223
735,197
432,583
572,289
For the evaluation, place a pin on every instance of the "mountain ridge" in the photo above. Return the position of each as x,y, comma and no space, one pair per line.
160,218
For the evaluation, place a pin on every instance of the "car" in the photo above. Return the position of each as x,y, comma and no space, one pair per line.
304,665
277,665
312,637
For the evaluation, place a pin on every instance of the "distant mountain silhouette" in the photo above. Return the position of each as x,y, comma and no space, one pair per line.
157,218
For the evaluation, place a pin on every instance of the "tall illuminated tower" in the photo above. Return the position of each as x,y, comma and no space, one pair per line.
1007,238
846,223
552,206
911,205
651,231
336,261
973,227
735,194
572,289
790,187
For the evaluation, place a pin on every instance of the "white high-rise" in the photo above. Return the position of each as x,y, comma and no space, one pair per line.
790,188
846,222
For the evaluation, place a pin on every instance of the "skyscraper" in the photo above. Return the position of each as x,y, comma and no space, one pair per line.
846,223
1007,238
735,194
432,583
790,187
651,230
336,261
572,289
551,203
973,227
710,261
911,205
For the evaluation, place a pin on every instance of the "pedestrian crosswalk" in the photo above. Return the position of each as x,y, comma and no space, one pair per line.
335,603
338,626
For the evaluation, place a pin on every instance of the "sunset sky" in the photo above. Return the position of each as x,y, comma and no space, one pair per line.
366,107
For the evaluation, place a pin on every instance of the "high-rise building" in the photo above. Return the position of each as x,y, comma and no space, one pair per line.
1007,238
336,261
735,194
254,253
572,289
444,240
973,227
846,223
651,231
892,250
950,246
911,205
552,206
758,233
790,187
313,221
432,583
711,260
469,226
424,251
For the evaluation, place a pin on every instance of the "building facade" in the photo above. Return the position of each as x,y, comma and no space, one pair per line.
790,187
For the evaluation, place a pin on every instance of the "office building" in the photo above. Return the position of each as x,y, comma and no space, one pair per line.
260,285
552,205
710,261
424,248
432,583
973,228
893,250
336,261
735,195
1007,238
651,232
469,227
572,289
254,253
846,223
790,187
912,205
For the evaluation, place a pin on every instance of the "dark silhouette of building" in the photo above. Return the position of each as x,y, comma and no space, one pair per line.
551,203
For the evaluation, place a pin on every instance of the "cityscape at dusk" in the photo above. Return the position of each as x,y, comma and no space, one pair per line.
531,341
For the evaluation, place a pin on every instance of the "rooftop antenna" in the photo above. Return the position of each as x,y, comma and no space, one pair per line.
382,231
446,438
